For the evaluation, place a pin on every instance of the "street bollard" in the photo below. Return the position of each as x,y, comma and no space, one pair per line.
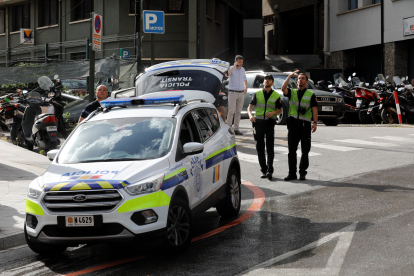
397,103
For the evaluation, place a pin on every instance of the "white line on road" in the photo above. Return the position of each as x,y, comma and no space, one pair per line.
368,143
333,147
285,150
394,138
334,263
250,157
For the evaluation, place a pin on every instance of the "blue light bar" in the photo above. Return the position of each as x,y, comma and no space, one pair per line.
174,100
139,101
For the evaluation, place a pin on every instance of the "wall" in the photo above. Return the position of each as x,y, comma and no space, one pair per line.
362,27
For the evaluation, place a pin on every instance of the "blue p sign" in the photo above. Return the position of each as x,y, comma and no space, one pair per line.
154,22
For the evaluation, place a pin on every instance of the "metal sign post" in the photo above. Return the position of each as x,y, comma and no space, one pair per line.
96,43
154,24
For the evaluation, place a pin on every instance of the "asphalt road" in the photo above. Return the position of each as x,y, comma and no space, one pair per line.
353,216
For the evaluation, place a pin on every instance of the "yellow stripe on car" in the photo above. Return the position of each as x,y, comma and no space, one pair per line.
57,187
105,184
34,208
152,200
81,186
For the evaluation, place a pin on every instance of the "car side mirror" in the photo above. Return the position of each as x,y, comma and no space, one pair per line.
52,154
193,148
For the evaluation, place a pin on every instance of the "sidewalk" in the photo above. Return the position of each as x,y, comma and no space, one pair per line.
18,167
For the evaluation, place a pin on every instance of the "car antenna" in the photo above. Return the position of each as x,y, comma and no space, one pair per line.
220,53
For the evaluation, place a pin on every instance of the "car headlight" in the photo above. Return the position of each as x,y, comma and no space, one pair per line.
34,190
148,185
340,100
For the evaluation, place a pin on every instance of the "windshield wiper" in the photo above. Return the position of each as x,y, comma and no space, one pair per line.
110,160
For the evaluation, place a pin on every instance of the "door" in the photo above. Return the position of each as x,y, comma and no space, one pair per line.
194,163
213,144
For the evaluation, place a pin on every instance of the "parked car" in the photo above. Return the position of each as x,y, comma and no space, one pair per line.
77,86
331,107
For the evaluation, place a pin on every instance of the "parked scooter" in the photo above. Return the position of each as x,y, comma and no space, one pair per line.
405,94
385,89
39,120
344,89
364,95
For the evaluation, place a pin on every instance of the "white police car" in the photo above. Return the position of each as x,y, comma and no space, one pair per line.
140,167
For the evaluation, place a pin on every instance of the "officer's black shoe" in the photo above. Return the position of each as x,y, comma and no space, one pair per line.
290,177
302,177
269,176
237,132
263,175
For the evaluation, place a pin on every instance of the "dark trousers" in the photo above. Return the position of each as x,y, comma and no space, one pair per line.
299,131
268,130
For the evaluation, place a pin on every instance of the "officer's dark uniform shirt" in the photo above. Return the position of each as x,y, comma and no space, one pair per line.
278,103
90,108
314,103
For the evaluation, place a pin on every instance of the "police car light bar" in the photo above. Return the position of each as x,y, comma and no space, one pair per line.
139,101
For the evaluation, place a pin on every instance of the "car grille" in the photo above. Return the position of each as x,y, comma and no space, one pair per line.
107,229
326,99
93,201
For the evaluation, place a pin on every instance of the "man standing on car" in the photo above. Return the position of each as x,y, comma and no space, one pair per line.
302,107
237,89
101,94
267,105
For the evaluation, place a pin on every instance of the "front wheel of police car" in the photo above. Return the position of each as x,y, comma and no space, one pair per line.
230,205
179,227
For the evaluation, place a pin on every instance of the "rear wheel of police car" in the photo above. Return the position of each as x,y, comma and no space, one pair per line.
179,227
230,205
43,248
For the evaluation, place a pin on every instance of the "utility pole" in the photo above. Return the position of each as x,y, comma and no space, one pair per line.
91,65
46,52
137,40
61,56
382,38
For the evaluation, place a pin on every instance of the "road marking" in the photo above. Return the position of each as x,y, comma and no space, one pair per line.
285,150
250,157
333,147
368,143
333,266
395,138
259,199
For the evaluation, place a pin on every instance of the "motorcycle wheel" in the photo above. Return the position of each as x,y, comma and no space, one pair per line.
376,116
363,116
388,117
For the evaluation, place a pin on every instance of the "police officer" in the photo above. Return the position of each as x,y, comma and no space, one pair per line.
267,105
101,94
302,108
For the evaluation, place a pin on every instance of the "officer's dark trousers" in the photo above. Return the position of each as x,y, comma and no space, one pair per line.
299,131
265,130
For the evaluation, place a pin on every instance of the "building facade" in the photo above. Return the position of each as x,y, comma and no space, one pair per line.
355,37
293,27
193,28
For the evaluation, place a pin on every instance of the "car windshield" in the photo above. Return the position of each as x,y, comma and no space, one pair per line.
74,84
119,140
179,80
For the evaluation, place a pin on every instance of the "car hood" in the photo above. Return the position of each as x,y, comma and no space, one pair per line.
188,95
100,175
316,92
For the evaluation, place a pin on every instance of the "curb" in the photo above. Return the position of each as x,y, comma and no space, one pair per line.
12,241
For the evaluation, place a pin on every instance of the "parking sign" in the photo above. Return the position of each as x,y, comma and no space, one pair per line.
154,22
97,32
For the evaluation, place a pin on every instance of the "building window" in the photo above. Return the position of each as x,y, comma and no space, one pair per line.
2,21
48,12
352,4
376,1
20,17
78,56
82,9
168,6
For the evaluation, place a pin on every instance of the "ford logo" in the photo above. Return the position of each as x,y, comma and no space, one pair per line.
79,198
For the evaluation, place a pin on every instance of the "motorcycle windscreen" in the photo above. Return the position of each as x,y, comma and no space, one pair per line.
176,79
47,109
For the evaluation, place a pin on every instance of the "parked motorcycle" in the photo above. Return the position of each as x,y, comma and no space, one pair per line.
344,89
364,95
39,121
385,89
405,94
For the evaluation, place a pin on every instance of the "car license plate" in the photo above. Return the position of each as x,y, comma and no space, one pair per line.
51,128
76,221
327,108
372,103
9,121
